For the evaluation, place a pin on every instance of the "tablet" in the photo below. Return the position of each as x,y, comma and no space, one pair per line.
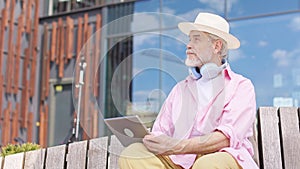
128,129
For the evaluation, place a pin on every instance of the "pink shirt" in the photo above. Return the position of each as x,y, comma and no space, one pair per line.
234,115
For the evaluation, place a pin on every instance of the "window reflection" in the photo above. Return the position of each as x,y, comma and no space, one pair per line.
269,52
269,56
239,8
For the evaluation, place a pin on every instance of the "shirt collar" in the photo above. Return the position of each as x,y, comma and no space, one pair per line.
227,72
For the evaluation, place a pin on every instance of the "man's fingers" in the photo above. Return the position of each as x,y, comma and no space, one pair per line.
153,147
151,138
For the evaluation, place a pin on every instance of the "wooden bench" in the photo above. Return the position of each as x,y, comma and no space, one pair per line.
277,135
99,153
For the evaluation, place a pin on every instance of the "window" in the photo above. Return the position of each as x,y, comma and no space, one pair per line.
59,6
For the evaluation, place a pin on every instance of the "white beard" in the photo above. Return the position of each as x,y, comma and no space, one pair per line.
192,62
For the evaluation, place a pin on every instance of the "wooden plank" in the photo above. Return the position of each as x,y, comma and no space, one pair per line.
53,42
55,157
115,149
11,54
33,72
87,106
2,37
18,54
61,50
42,134
34,159
28,16
79,36
24,109
15,124
5,14
46,110
30,127
69,38
97,153
14,161
6,127
47,74
290,135
68,42
76,157
1,98
58,41
85,27
95,122
268,134
44,63
23,10
97,54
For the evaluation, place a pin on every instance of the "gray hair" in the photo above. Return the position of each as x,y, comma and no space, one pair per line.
224,50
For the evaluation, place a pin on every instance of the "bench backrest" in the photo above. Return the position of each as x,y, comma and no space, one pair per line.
278,138
91,154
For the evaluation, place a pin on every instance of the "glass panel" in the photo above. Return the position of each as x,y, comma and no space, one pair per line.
119,72
237,8
269,56
146,6
187,11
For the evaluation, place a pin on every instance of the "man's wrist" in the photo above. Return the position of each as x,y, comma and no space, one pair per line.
182,147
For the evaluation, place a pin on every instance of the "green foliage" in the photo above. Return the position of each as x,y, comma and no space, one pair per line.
13,149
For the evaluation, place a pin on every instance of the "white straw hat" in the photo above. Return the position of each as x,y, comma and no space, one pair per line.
213,24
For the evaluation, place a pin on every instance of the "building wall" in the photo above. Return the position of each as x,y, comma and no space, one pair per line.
42,105
20,70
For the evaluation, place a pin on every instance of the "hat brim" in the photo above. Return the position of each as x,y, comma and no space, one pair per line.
232,41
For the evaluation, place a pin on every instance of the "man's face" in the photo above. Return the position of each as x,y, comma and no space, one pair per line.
199,49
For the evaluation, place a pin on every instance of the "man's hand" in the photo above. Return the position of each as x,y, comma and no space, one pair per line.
163,144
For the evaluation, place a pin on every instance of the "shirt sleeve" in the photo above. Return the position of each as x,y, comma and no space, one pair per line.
163,123
239,114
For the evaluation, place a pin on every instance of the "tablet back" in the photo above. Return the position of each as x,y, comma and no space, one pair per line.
128,129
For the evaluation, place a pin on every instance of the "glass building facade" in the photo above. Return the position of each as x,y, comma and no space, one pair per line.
269,54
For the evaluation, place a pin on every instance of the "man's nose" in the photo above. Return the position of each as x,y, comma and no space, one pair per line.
189,46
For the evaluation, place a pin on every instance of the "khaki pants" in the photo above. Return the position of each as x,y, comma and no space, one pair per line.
136,156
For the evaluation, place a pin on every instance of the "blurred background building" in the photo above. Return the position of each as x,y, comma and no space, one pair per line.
134,55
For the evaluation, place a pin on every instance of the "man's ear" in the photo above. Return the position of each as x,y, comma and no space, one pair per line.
218,46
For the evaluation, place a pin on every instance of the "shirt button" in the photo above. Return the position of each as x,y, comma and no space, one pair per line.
239,157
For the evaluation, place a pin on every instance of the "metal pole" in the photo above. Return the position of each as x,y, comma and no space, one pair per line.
82,65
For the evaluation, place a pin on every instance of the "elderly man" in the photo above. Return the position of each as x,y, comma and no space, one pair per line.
207,118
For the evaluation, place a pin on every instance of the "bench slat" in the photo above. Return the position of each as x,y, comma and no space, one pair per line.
268,130
115,149
290,136
1,162
97,153
56,157
34,159
76,157
14,161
